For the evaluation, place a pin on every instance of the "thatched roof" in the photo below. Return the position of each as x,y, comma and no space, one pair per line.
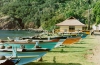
71,22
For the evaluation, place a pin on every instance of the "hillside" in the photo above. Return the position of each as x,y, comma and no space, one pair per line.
36,13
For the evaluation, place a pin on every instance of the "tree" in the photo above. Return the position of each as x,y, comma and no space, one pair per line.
96,11
45,12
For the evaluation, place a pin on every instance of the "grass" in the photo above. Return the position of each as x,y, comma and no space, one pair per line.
73,54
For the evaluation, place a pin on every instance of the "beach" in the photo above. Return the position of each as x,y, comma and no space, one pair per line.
83,52
95,57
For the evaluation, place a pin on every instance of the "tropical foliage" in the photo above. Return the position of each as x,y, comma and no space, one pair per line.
96,12
47,13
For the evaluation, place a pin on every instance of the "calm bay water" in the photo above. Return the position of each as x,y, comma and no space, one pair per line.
14,33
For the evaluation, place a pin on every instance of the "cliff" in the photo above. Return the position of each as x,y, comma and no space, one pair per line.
7,22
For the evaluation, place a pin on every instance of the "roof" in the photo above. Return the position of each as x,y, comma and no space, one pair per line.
71,22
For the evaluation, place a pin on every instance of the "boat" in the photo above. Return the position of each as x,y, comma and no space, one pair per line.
5,49
53,38
72,40
84,35
43,42
29,50
28,43
20,60
46,42
20,57
8,61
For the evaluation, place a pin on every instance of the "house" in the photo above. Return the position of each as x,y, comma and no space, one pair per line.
71,25
96,27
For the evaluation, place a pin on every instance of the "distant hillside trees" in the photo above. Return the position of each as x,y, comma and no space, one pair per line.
47,13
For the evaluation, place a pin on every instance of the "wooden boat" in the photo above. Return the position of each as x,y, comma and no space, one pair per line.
25,55
28,54
62,39
26,50
27,41
84,35
43,41
8,62
22,58
59,40
49,45
72,40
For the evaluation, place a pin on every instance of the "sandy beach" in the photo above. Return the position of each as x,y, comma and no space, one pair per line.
95,57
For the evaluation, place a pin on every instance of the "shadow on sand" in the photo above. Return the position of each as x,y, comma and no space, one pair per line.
42,63
72,47
67,51
81,43
64,51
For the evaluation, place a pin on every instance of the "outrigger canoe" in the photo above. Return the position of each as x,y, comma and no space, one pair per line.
22,56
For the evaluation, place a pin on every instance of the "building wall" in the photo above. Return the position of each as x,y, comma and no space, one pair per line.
63,28
99,27
78,28
94,27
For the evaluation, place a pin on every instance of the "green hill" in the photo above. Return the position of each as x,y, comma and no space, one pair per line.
46,13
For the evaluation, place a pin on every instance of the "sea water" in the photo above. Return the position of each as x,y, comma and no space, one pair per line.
15,33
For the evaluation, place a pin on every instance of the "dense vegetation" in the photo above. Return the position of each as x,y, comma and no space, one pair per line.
46,13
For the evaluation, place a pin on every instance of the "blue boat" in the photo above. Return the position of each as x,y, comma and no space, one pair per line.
27,54
19,57
61,39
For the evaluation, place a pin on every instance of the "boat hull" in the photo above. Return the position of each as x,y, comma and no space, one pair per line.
71,40
25,57
48,45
